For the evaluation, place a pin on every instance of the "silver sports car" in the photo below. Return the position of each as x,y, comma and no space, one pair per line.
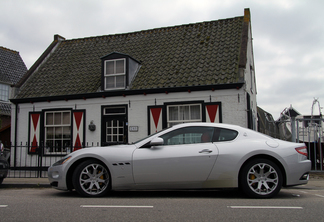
187,156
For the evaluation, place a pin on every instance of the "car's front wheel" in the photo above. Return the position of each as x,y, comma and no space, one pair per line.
91,178
260,178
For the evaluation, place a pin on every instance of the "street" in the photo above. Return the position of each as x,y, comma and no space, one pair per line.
301,203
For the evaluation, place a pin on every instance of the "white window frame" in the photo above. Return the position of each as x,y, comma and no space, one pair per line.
115,74
179,118
62,149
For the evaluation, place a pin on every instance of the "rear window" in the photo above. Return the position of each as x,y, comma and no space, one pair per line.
225,135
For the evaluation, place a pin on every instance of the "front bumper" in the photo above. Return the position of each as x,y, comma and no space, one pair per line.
56,177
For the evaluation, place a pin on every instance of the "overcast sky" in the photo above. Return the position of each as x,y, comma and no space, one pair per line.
288,35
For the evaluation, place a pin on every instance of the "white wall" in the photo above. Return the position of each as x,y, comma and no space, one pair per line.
233,110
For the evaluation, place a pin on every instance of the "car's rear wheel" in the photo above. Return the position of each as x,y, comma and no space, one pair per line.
261,178
91,178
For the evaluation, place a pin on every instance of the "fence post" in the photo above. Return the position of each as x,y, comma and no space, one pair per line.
40,159
293,129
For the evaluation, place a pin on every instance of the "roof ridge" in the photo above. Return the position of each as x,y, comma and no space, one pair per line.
152,30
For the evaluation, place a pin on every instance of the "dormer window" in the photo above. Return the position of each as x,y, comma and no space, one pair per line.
115,73
118,71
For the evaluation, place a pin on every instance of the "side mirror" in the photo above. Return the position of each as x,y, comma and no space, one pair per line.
157,141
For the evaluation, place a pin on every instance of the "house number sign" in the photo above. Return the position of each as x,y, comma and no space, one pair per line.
133,129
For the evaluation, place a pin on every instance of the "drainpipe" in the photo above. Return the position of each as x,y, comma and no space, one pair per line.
15,145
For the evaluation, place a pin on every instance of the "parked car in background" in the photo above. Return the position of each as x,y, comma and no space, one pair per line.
4,164
187,156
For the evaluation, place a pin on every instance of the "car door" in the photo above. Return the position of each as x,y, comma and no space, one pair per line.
183,158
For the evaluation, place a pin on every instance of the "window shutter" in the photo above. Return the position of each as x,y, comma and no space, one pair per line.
155,119
34,132
78,129
213,113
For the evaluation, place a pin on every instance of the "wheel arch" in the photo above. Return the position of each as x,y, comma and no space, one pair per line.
268,157
72,168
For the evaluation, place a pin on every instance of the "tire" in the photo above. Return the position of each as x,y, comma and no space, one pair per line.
261,178
91,179
1,180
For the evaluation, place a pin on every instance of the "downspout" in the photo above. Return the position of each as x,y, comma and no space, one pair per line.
16,126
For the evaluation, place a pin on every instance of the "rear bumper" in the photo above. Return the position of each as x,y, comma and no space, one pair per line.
299,173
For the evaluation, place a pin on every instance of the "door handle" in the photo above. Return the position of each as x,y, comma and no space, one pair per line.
205,151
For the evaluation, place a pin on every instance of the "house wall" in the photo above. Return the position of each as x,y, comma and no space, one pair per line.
233,105
250,79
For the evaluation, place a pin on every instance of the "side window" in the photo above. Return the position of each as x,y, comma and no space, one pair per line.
224,135
189,135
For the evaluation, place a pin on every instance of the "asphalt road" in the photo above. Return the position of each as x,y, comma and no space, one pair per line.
302,203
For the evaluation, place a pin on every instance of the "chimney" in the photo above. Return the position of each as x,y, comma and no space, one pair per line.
247,15
58,38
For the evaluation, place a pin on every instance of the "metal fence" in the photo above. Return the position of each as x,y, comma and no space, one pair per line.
27,161
302,130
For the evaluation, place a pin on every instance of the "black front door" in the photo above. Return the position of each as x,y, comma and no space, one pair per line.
114,126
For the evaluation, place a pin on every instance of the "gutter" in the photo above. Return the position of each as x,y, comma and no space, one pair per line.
125,93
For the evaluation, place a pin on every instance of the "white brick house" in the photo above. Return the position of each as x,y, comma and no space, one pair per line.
119,88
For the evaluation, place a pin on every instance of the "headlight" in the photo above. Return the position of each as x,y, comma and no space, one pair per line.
62,161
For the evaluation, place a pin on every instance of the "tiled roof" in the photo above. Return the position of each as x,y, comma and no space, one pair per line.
199,54
5,109
12,67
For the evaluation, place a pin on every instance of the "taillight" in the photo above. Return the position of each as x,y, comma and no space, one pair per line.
302,150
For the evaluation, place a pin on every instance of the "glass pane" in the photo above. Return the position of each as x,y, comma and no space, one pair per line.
66,118
49,146
49,118
195,112
50,133
58,132
58,146
120,81
173,113
57,118
110,82
66,146
120,138
120,66
67,132
110,67
184,113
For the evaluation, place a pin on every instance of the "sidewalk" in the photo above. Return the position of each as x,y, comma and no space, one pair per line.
316,180
25,183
